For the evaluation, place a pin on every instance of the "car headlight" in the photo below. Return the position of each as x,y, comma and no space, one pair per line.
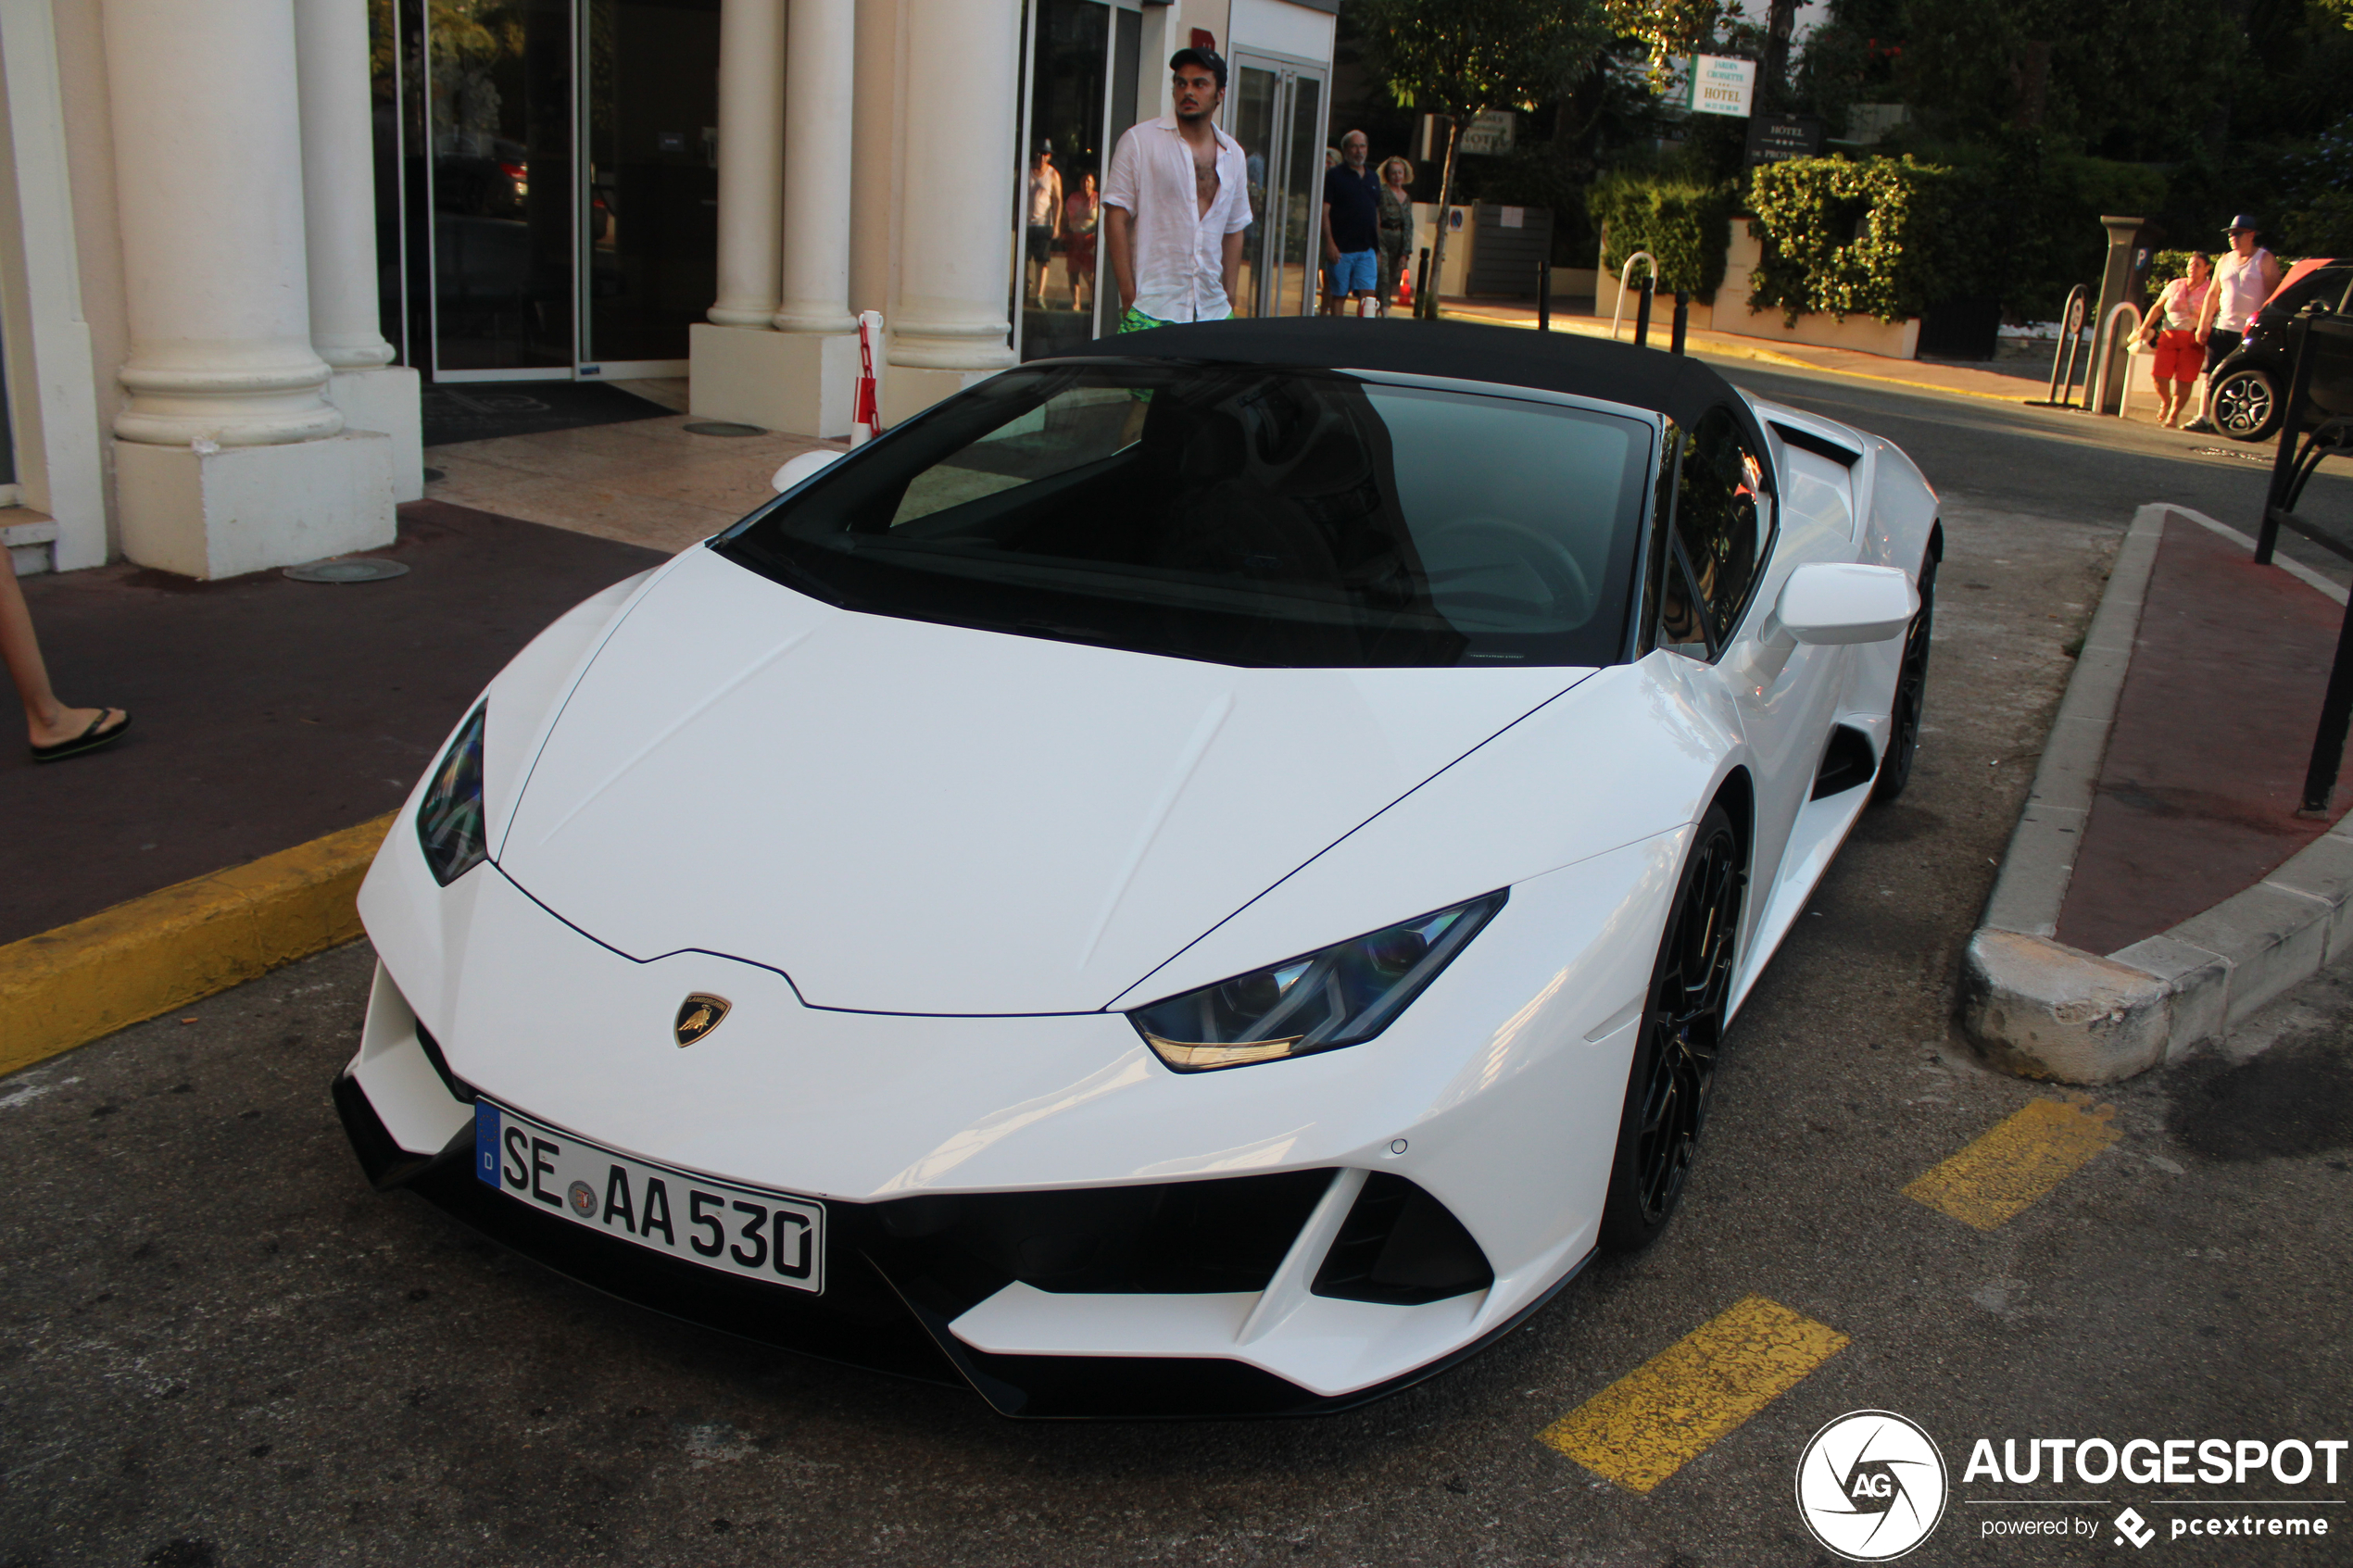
1320,1001
449,824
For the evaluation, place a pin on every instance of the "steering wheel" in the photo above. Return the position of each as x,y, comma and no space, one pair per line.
1481,542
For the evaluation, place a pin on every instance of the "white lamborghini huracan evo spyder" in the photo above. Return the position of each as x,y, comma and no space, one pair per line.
1204,877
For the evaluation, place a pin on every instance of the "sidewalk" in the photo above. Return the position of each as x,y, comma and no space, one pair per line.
2161,887
279,721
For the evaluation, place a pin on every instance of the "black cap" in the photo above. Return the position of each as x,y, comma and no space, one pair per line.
1209,60
2243,221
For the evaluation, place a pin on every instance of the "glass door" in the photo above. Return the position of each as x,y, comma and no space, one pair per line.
650,204
547,184
1275,110
496,82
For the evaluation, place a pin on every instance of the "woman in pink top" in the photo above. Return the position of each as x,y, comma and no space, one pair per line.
2172,326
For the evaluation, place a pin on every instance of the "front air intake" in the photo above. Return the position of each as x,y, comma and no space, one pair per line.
1400,1246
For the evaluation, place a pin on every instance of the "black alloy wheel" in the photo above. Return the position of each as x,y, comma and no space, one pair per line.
1682,1031
1911,693
2246,404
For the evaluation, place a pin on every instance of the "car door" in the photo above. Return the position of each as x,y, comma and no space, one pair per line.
1730,546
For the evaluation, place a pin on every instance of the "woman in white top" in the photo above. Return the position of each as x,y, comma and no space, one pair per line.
2244,280
2172,327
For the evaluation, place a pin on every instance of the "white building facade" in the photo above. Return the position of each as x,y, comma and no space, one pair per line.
240,239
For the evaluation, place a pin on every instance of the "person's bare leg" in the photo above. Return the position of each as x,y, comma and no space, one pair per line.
46,720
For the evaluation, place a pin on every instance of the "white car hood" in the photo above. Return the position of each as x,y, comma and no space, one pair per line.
921,818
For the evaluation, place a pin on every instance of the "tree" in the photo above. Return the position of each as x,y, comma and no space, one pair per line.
1460,58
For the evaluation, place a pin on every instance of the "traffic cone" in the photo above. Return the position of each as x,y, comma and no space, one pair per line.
1405,286
866,407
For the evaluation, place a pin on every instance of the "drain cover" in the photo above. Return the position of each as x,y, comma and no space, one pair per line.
715,427
361,571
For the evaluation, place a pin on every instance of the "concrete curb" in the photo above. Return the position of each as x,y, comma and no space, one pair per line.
2039,1009
69,986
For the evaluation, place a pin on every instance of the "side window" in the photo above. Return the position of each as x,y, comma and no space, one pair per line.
1668,594
1721,526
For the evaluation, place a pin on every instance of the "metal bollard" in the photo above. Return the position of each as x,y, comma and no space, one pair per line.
1421,287
1682,321
1545,295
1642,314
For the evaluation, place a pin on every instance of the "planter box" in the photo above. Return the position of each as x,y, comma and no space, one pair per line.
1865,334
1730,314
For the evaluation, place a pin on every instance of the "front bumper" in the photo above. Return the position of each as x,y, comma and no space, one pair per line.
908,1291
1496,1097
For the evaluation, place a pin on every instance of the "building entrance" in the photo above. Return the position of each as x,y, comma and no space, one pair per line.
1276,112
547,185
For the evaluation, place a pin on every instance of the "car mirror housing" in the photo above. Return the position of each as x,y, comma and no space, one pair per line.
1831,602
801,468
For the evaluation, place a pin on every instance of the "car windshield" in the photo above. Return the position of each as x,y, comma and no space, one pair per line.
1241,514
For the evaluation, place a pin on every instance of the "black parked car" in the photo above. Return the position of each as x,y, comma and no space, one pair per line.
2250,385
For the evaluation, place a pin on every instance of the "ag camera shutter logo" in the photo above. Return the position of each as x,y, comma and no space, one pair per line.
1871,1485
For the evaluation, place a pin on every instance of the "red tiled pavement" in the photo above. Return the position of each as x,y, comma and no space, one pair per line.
268,712
2204,766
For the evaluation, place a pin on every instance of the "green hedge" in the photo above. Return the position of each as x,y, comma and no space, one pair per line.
1686,226
1884,237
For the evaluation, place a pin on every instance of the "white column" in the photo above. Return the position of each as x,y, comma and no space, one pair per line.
339,182
208,193
819,94
751,158
956,239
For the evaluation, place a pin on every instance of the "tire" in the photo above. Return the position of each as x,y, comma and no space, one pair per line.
1673,1072
2246,404
1911,693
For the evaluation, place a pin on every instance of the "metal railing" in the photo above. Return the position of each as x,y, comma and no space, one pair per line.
2108,347
2079,305
2312,334
1650,283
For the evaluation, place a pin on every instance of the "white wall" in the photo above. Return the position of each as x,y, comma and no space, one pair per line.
1279,27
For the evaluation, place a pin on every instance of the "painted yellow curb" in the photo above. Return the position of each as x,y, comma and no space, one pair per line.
66,987
1762,356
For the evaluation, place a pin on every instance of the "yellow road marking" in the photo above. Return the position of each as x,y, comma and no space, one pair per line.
1666,1412
2017,1162
67,987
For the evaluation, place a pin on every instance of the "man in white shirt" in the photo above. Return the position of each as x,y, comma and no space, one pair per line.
1176,204
2245,277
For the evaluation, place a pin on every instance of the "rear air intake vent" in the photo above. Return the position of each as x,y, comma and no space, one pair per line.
1847,763
1400,1246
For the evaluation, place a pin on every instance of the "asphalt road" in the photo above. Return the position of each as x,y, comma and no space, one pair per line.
220,1349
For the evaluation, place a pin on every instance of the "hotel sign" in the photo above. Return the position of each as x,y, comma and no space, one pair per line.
1719,85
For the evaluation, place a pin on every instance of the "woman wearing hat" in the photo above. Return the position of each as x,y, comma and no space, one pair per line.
2245,278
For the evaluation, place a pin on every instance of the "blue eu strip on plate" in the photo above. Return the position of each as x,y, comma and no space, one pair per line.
487,1141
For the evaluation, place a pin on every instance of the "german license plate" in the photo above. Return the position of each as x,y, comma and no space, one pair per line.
764,1236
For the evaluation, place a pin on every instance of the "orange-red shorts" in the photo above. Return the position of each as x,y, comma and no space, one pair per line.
2179,358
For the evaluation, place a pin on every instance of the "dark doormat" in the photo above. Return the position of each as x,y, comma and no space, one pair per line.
479,411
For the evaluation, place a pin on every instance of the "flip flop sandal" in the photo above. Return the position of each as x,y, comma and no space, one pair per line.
90,739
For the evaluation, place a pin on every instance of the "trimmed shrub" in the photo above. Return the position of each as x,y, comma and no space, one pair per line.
1686,226
1884,237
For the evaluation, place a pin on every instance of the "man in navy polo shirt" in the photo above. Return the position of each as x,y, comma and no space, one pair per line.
1352,227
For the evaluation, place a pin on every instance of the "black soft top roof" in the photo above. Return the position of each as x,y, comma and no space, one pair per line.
1674,384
